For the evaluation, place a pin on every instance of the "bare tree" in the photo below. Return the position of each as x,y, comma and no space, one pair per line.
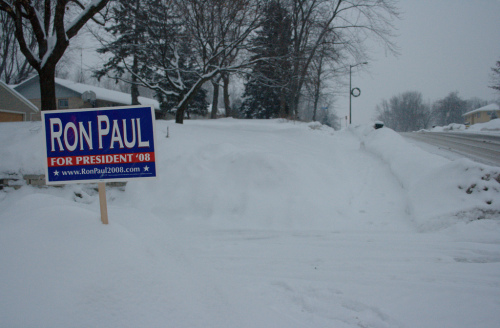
219,30
191,42
495,76
405,112
14,68
54,24
349,21
475,103
449,109
324,67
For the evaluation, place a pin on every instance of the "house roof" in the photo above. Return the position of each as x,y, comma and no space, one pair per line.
487,108
102,93
19,96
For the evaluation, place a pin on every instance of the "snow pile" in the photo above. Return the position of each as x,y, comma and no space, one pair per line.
236,181
440,191
22,148
453,127
492,126
315,125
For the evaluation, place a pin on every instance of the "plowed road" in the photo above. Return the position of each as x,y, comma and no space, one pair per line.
478,147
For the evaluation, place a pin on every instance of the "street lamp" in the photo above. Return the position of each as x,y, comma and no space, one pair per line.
353,91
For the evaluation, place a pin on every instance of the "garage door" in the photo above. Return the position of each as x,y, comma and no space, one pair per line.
10,117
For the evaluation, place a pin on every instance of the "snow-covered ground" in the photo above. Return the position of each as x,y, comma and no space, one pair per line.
255,224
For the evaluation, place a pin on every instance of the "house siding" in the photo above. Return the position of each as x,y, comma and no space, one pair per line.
31,91
480,117
483,114
13,108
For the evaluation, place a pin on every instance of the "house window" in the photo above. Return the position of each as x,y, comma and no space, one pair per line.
63,103
478,115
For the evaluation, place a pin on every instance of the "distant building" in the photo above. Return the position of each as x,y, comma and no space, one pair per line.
69,95
14,107
483,114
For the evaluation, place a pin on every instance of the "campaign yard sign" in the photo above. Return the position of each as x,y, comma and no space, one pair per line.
99,144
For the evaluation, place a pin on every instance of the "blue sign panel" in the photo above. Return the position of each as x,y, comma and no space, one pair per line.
99,144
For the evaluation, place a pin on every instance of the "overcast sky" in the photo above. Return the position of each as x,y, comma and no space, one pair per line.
445,46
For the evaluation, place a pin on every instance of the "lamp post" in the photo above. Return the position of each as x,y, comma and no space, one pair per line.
351,89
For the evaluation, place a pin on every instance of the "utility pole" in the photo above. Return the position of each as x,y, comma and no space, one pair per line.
352,90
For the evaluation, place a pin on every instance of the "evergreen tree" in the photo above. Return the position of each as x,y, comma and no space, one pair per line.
129,33
267,83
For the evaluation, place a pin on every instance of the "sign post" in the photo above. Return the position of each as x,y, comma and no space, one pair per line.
102,202
98,145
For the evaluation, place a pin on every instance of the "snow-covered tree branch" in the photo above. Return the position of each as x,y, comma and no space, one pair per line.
53,23
182,45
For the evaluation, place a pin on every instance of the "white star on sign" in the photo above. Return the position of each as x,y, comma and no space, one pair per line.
146,168
56,172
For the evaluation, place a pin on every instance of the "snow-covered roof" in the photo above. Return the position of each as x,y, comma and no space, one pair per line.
106,94
101,93
20,97
487,108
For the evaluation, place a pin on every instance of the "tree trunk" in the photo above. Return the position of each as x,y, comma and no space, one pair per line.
295,90
48,88
317,89
215,100
227,102
186,99
315,109
179,115
134,88
283,109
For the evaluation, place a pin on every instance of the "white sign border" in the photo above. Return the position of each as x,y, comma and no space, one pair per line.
46,165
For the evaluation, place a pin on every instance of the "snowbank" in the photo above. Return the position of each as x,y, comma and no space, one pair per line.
440,191
492,126
453,127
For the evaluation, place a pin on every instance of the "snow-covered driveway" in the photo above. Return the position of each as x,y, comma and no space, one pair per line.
259,224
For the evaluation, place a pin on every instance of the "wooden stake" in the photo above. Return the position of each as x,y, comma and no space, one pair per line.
102,201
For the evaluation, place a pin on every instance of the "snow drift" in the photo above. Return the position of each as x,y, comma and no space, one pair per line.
440,191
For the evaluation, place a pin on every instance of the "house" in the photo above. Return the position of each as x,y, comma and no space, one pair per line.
14,107
482,115
74,95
